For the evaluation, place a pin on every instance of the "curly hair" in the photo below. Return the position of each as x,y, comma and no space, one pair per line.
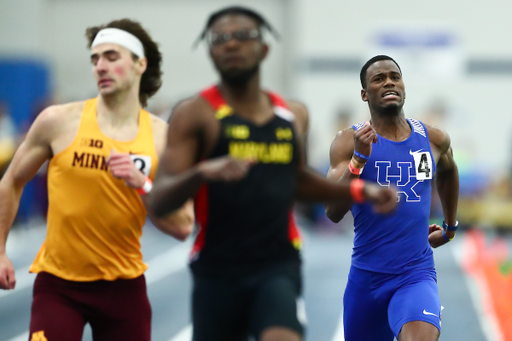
151,80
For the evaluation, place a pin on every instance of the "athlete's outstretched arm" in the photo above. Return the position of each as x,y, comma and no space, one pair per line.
313,187
447,181
29,157
181,173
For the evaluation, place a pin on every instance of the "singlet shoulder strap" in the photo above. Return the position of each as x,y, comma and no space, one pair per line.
281,108
418,127
277,100
358,126
213,96
88,121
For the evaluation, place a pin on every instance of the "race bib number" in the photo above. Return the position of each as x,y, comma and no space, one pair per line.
423,165
142,162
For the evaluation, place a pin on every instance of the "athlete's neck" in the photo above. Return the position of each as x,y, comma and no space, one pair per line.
248,101
391,127
242,92
119,109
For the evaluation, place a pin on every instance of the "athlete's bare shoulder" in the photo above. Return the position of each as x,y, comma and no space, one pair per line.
189,119
56,119
159,124
194,107
63,112
299,109
439,138
342,146
300,112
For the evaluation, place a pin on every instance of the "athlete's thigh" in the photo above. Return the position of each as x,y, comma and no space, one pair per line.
416,300
121,311
219,309
277,302
365,309
54,316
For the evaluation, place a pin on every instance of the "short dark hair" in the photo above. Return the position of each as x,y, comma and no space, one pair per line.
373,60
151,80
258,18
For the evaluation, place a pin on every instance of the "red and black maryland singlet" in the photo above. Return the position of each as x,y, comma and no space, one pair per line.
249,222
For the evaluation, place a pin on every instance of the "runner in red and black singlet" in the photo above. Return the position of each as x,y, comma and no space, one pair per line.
228,213
240,152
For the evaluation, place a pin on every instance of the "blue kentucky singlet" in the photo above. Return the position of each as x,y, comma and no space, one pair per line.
397,242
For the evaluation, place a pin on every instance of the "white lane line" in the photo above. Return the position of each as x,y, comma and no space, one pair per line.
168,262
21,337
339,334
479,294
184,335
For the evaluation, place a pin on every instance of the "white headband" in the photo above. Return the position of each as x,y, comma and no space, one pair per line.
119,37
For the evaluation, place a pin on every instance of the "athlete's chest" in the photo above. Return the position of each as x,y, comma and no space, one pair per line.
271,143
408,167
87,155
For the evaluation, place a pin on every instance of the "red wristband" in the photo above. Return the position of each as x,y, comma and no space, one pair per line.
355,167
146,188
354,170
356,191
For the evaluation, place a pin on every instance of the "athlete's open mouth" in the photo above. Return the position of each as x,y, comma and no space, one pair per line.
390,94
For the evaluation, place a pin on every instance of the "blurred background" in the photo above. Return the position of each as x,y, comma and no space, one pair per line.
457,67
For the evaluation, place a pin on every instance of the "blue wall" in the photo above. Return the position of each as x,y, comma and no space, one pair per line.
25,88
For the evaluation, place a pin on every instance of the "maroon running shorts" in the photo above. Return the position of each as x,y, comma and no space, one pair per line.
116,310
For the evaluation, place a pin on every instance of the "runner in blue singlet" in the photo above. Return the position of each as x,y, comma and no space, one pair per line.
392,286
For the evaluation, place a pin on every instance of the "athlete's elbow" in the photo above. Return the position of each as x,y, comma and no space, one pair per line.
334,215
178,231
182,235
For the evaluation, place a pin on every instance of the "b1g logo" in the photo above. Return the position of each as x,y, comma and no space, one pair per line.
404,178
142,162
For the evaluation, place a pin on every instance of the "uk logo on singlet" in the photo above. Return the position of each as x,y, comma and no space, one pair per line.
405,176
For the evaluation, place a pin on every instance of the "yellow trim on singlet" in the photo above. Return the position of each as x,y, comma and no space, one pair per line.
94,220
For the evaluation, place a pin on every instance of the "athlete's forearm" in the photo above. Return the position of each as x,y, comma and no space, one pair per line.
178,224
170,192
9,203
448,190
313,187
336,210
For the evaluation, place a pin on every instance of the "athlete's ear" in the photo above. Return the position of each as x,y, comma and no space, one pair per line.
142,65
363,95
264,51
